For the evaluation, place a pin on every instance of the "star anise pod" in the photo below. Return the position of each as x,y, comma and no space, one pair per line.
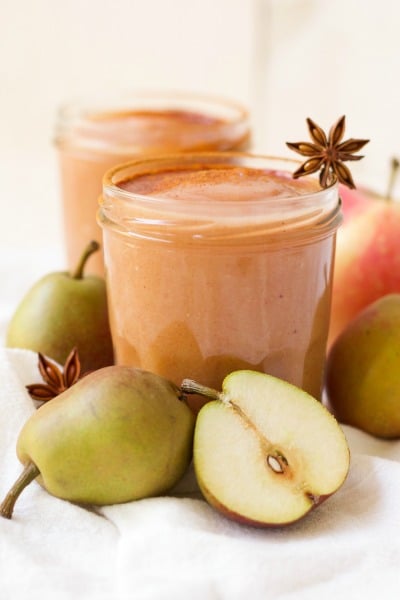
56,380
327,153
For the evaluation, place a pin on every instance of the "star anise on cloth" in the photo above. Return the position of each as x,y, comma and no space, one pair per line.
327,153
56,380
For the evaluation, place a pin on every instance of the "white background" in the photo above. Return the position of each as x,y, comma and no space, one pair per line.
285,59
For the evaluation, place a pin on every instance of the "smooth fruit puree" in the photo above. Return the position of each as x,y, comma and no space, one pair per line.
187,304
97,142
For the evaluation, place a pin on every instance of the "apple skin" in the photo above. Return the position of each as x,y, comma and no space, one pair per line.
367,261
362,371
354,202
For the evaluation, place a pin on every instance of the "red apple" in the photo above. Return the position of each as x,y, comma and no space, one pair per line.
367,264
354,202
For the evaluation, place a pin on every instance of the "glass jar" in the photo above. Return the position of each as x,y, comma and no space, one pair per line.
217,262
94,136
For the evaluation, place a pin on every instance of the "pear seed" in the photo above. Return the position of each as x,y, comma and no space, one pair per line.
275,464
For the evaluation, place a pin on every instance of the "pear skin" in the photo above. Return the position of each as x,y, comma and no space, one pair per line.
118,434
62,311
362,373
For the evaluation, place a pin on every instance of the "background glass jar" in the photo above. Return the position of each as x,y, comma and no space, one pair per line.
216,262
93,137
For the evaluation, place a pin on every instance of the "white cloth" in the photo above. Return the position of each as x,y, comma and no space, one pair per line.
179,548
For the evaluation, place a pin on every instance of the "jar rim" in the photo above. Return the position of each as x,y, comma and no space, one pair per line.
82,122
317,212
145,165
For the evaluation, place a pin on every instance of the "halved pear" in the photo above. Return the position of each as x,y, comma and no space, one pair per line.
265,451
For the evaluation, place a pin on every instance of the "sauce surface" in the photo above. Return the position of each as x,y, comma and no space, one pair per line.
225,183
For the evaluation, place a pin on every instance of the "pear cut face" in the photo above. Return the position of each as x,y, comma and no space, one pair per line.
268,453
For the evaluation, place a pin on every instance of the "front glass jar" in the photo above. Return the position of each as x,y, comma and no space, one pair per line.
217,262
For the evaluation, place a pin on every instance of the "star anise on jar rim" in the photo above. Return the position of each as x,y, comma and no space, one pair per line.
327,153
55,379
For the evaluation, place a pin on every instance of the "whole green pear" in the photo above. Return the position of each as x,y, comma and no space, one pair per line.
363,370
118,434
62,311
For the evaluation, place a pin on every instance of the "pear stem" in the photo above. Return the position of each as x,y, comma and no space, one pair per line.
395,164
92,247
29,473
188,386
275,460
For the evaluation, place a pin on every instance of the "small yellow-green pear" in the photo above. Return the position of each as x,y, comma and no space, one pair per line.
63,311
363,370
118,434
